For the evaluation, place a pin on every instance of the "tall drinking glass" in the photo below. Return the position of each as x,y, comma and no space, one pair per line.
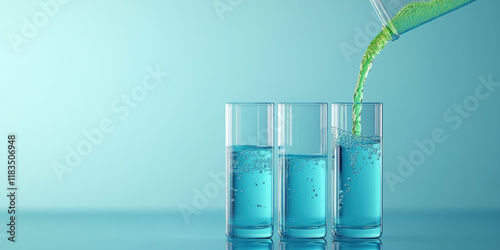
357,172
249,170
302,136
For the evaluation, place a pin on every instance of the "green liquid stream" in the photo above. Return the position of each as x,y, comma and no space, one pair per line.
409,17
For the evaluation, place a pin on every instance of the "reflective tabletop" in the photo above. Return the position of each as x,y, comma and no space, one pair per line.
206,230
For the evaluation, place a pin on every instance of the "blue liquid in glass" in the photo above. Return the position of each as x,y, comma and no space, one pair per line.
303,196
249,192
357,186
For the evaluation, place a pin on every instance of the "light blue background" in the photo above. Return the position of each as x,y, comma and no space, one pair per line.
65,79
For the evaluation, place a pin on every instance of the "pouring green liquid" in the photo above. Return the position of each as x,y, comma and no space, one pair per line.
409,17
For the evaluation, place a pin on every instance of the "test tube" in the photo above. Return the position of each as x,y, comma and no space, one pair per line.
249,170
357,172
302,138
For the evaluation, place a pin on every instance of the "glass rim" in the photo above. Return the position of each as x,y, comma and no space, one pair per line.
352,103
303,103
250,103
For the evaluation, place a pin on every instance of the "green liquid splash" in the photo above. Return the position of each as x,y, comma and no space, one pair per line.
409,17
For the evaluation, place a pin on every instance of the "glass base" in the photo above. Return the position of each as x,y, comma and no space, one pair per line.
357,232
249,232
303,232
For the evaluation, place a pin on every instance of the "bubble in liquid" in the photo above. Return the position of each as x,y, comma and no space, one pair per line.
316,195
260,171
314,190
349,179
346,185
369,157
372,162
341,192
242,190
235,189
263,182
256,184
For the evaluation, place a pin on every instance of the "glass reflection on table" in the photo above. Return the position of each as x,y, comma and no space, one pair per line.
356,244
302,244
244,244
